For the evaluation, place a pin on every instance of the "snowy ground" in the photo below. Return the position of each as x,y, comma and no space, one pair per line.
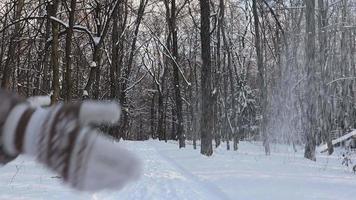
170,173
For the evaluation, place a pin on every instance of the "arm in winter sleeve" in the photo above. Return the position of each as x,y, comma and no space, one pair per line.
61,138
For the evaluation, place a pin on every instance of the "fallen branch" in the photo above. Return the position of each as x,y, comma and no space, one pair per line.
323,148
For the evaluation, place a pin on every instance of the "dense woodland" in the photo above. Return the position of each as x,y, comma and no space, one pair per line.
203,71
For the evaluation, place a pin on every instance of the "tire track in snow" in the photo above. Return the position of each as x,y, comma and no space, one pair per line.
209,187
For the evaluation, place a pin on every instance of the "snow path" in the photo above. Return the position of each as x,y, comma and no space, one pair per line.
166,179
174,174
163,179
211,189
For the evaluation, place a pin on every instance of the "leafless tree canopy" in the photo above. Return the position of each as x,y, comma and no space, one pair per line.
208,71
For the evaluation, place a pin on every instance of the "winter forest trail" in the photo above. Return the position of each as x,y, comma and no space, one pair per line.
175,174
172,179
209,188
163,178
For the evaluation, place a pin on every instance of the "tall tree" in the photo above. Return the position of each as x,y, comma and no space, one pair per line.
8,70
173,47
102,27
324,96
127,71
261,78
206,120
115,66
68,85
55,51
310,95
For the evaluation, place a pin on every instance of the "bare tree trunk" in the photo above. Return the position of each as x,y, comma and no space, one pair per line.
262,86
172,25
230,122
55,53
197,108
206,123
2,50
178,98
153,116
218,73
344,69
127,71
160,106
45,85
114,56
310,129
8,70
102,30
324,94
160,125
68,85
192,127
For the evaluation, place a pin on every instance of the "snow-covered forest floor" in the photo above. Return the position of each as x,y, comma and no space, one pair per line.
172,173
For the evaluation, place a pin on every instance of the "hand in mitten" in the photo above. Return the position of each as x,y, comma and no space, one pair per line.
61,138
7,102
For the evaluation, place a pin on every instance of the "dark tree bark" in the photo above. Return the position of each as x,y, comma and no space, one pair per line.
45,86
102,30
178,98
206,121
161,115
114,56
230,121
324,97
218,73
172,25
55,52
127,70
310,129
153,116
3,47
8,69
68,84
261,80
160,107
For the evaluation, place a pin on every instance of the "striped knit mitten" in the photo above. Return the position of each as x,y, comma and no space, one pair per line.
61,138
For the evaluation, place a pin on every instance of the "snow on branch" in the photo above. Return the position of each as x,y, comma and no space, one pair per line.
324,147
66,25
86,30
